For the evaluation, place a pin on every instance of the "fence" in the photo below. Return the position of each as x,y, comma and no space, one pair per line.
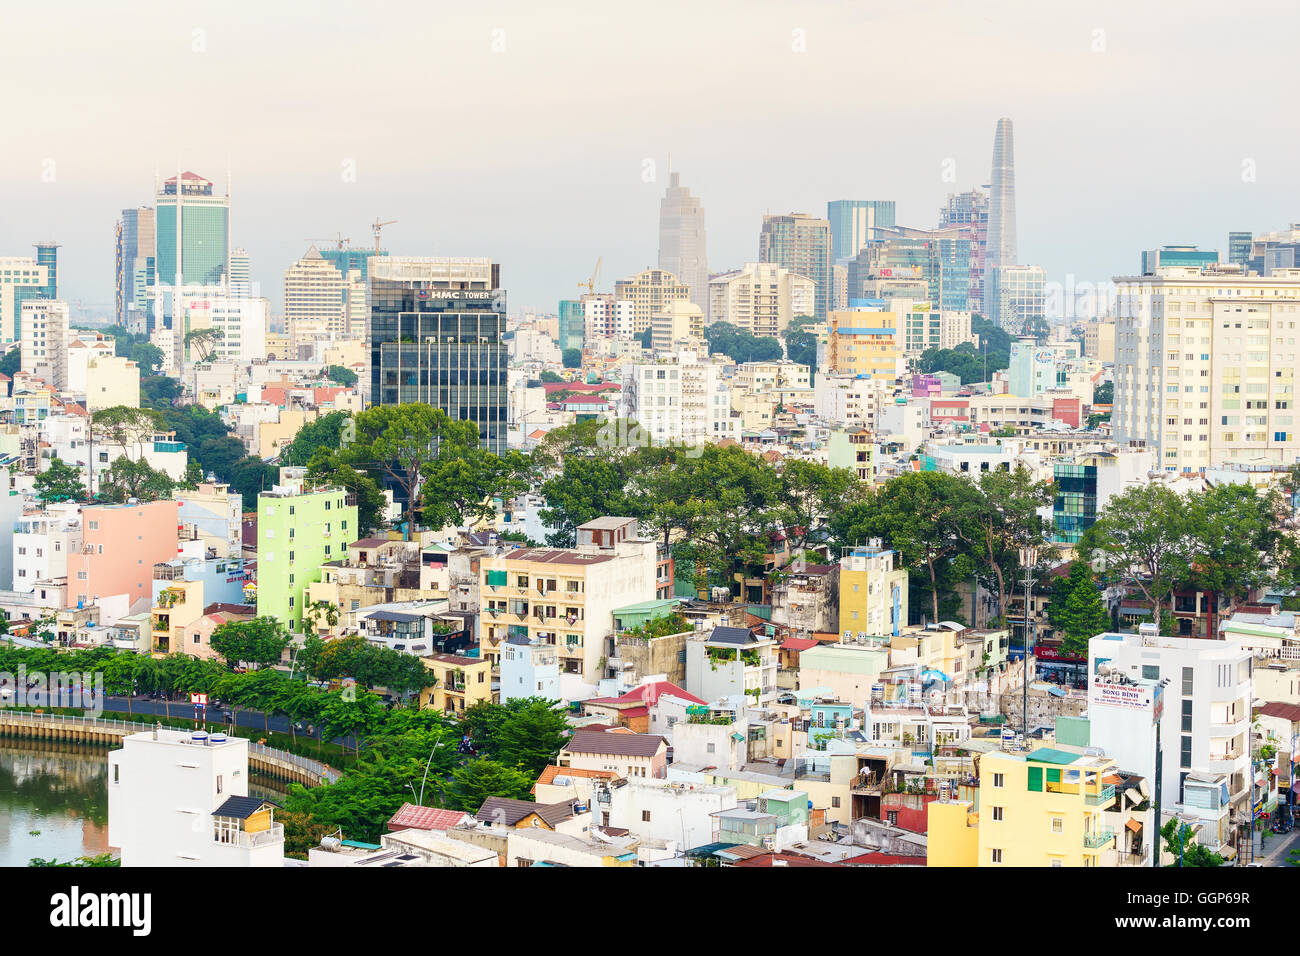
101,730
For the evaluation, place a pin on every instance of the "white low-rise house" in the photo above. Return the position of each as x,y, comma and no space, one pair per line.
729,661
435,849
663,810
42,542
177,798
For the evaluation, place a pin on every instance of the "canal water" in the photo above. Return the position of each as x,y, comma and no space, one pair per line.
54,800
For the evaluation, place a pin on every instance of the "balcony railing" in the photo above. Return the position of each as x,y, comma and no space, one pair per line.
275,834
1102,797
1098,838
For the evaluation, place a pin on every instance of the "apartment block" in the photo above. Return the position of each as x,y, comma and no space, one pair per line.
762,298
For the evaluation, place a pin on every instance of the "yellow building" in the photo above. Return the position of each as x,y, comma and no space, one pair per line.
649,292
1045,808
873,592
680,321
462,683
864,343
110,381
179,605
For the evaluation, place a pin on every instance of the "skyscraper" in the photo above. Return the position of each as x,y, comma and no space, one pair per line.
854,222
802,244
193,235
1000,249
682,240
134,268
1002,199
968,213
23,279
314,291
1239,246
436,327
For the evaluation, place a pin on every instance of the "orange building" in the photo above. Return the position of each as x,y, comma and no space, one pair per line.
120,544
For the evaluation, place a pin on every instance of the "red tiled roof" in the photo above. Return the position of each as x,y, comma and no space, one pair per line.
787,859
1289,712
885,859
799,644
551,771
413,817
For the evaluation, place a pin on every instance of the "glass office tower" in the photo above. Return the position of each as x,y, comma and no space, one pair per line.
854,222
437,329
193,234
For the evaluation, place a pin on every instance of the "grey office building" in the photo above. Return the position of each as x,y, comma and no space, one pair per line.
437,330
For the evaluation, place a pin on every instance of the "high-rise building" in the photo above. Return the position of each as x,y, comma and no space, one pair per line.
135,268
682,243
22,278
605,317
681,399
649,292
680,324
1002,200
802,244
572,325
1239,245
192,236
436,336
241,320
854,223
1153,259
241,273
1205,366
1275,250
315,291
864,343
941,260
1015,296
44,340
968,214
761,298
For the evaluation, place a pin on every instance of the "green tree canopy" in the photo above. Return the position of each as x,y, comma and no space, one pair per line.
59,482
260,641
1076,610
128,479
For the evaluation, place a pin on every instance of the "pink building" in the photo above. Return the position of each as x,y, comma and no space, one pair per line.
120,544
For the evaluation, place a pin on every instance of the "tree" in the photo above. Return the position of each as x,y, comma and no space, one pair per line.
203,342
1141,538
917,514
1104,394
473,782
159,391
1076,610
59,482
741,345
801,344
462,481
12,362
524,733
259,641
325,432
586,488
342,375
327,468
128,479
1234,535
400,440
1000,520
1179,843
811,492
551,378
571,358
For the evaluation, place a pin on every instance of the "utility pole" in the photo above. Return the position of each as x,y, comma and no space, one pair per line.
1029,559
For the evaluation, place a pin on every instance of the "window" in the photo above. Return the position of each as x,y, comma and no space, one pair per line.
1187,681
1187,717
835,802
218,783
995,854
1058,825
997,813
999,780
1185,755
645,816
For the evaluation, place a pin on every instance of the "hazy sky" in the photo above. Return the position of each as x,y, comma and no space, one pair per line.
523,130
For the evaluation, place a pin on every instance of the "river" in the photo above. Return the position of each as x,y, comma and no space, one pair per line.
54,800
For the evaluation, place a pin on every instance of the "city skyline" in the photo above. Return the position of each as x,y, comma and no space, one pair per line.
337,167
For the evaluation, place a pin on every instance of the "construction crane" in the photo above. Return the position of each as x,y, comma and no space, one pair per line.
590,284
378,227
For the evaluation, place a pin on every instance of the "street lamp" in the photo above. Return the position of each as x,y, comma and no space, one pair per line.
1029,561
420,800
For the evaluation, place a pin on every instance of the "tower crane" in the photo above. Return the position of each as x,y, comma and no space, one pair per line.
590,284
378,227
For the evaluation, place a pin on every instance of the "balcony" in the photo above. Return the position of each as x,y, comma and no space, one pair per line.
1098,838
1102,797
244,840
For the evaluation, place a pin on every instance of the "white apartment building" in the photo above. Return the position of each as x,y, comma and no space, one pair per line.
924,326
180,798
1204,717
761,298
1205,366
529,669
683,400
17,273
606,317
42,542
530,346
43,340
84,347
242,323
730,661
848,399
315,290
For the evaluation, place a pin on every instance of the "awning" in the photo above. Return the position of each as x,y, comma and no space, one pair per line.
1228,852
1134,826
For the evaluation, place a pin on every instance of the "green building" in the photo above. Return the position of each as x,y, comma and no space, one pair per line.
193,233
298,529
572,325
